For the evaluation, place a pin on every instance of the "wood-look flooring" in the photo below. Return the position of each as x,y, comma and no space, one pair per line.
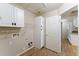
67,50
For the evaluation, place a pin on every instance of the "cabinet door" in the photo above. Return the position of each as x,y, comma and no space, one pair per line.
5,14
13,16
19,17
39,32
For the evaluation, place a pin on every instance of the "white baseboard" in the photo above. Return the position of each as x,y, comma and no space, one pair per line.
24,51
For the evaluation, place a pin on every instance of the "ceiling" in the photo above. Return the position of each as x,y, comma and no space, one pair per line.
40,8
72,12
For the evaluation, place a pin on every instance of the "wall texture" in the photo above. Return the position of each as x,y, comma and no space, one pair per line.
11,44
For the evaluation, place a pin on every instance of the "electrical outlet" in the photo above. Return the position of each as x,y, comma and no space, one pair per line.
30,44
15,34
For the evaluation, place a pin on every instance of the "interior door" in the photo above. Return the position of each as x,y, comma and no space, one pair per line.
39,32
53,33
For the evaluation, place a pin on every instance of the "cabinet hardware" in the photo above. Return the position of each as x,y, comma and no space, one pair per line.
41,29
13,23
41,25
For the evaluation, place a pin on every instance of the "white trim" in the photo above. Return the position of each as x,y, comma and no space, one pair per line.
24,51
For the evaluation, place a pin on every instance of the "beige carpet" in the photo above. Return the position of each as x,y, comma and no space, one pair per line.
67,50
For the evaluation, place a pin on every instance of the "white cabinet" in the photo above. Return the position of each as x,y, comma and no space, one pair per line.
19,17
5,14
39,32
11,16
75,22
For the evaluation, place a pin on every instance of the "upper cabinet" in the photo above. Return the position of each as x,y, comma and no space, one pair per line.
19,17
11,16
75,22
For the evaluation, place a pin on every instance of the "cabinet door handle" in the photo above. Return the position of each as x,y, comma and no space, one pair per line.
13,23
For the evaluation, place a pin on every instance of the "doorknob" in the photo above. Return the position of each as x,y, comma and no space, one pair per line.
41,29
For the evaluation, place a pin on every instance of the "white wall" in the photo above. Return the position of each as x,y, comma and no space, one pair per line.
10,45
78,29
